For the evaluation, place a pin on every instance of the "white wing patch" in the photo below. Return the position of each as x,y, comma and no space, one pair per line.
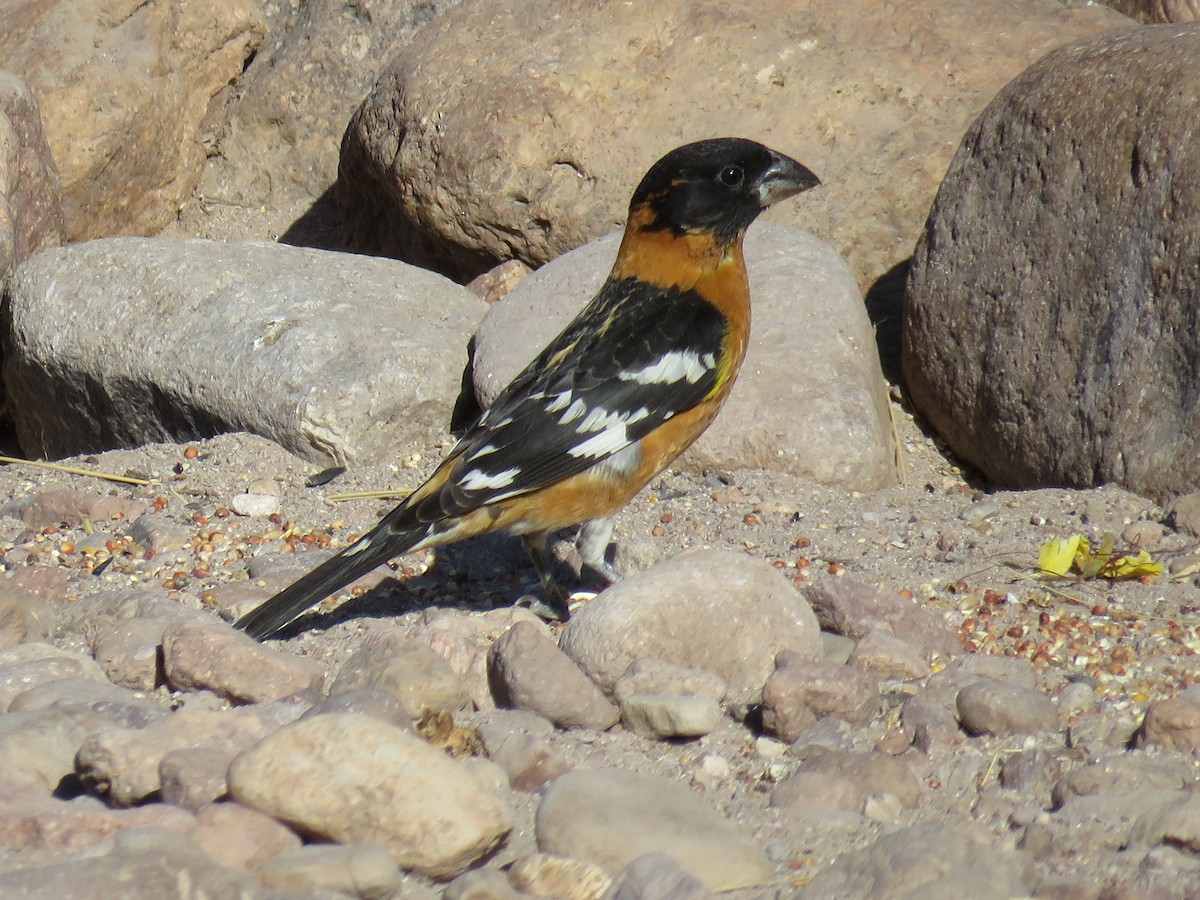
671,367
611,435
478,480
574,411
559,402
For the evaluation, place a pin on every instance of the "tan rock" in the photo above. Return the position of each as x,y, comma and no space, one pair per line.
123,87
406,668
212,656
518,129
238,837
368,781
123,764
719,609
30,819
1173,724
31,216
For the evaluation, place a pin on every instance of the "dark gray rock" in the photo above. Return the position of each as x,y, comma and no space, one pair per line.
1051,304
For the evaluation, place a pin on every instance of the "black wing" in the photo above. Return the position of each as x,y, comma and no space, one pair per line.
633,358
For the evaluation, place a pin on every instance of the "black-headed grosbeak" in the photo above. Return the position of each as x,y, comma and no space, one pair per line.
630,383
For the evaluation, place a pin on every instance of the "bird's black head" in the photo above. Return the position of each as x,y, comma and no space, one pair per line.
718,185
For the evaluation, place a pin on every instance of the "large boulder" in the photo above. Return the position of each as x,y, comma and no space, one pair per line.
810,399
1050,327
278,143
125,341
124,87
518,128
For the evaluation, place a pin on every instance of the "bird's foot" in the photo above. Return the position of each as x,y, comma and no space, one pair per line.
551,612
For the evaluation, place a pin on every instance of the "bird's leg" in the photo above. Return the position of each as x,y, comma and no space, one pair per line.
592,543
556,599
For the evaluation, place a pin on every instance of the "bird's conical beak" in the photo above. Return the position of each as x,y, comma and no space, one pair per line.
784,178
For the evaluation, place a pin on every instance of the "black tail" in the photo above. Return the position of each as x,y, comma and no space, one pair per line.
369,551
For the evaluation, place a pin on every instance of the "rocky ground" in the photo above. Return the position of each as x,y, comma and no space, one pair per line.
796,691
885,796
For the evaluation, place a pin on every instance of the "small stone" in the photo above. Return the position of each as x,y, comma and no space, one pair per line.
1184,513
37,747
238,837
1144,535
996,708
611,817
431,812
796,695
656,876
258,506
719,610
970,666
129,651
817,790
919,860
930,720
850,607
362,870
528,671
152,532
650,675
979,512
28,665
23,618
89,693
140,862
493,285
378,704
1176,824
1173,724
529,760
1076,697
1033,770
836,648
712,771
30,819
123,763
543,875
888,657
193,777
882,807
1123,773
663,716
209,655
393,662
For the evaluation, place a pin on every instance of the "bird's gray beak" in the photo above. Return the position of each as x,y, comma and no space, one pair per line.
784,178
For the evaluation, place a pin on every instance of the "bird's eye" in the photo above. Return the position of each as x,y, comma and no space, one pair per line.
731,176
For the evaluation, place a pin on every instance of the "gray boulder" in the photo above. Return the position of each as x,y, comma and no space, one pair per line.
810,399
1050,330
122,342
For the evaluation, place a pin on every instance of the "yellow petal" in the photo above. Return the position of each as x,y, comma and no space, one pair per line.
1056,556
1133,566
